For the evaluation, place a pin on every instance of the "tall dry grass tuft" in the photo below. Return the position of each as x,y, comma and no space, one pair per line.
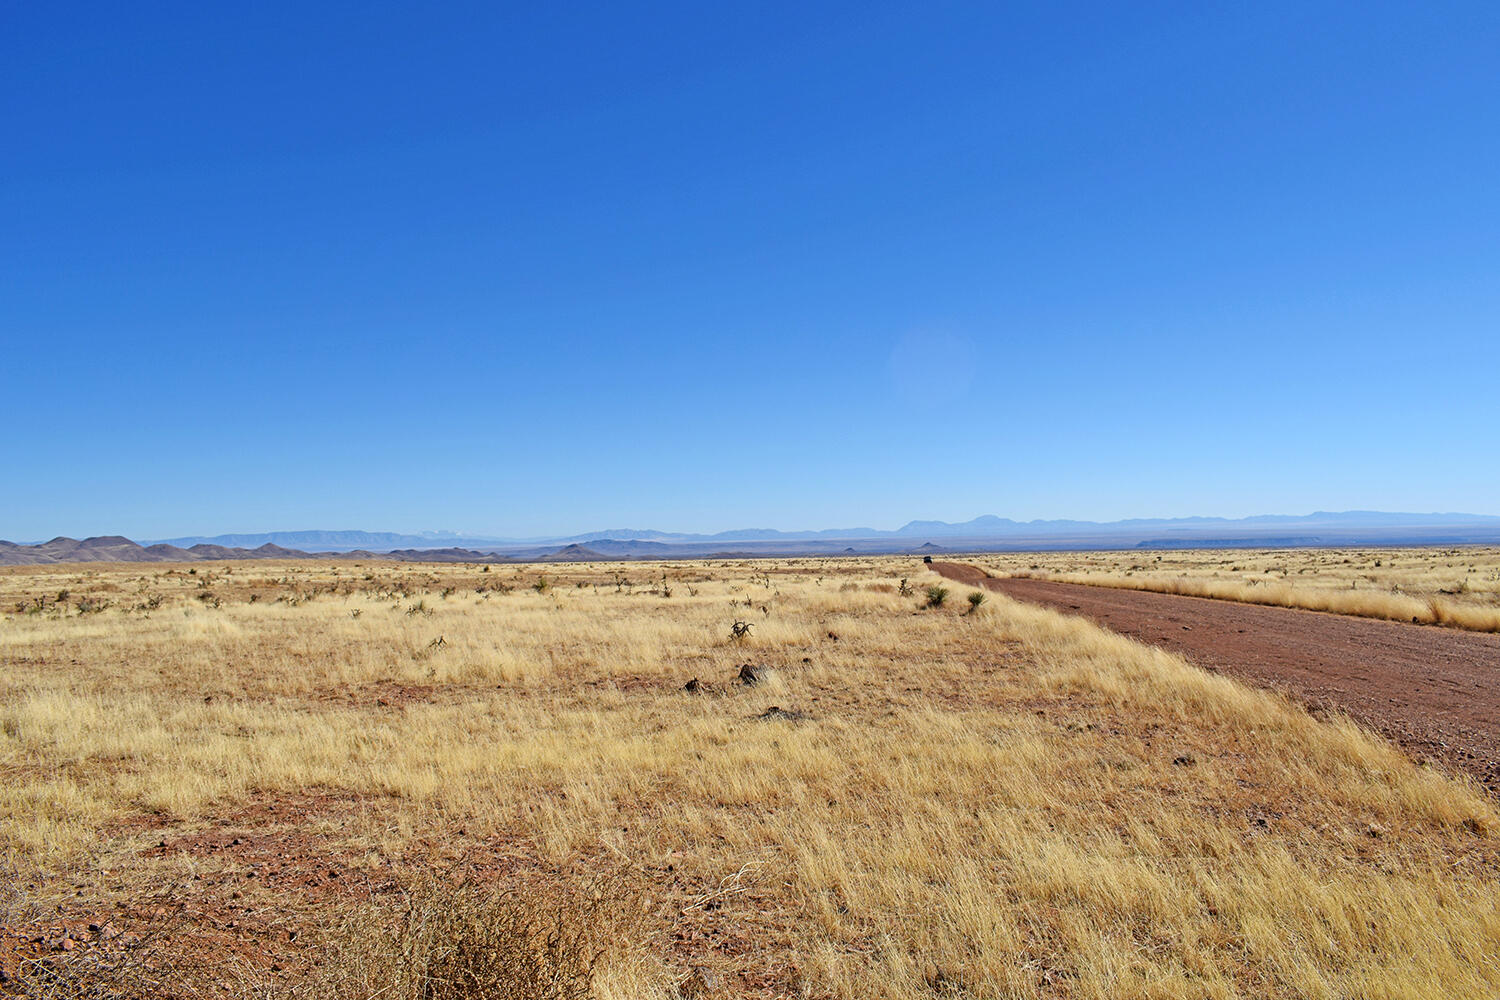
457,938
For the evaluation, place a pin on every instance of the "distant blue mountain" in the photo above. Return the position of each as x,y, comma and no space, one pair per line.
336,541
1348,527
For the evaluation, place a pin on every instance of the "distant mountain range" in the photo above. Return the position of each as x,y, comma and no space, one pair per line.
986,533
986,526
331,541
114,548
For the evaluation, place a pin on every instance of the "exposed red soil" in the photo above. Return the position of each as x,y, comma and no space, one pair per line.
261,878
1432,690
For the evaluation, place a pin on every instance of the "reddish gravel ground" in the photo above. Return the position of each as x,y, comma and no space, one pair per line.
1433,690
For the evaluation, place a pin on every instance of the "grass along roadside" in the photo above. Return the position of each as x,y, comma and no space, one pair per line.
1459,588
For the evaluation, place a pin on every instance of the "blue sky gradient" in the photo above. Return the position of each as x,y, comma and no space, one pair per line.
525,272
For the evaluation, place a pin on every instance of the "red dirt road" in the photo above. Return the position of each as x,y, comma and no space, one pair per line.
1434,691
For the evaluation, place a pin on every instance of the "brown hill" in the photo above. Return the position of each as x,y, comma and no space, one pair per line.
116,548
169,553
442,555
107,548
572,553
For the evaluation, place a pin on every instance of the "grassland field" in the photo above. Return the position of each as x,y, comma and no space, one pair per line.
350,780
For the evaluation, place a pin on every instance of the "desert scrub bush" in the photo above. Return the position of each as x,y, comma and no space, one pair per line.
936,595
975,600
453,938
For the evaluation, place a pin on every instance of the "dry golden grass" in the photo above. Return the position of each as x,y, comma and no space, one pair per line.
1454,586
998,803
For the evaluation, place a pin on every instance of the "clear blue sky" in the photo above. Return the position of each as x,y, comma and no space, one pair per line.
270,266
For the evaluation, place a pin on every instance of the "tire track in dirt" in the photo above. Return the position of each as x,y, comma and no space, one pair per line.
1435,691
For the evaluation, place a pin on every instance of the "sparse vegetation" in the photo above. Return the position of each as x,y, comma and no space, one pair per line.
1026,806
936,595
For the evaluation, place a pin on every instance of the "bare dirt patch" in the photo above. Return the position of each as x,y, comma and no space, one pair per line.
1431,690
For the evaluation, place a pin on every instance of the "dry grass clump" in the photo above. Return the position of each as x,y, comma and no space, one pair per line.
458,938
1455,587
913,800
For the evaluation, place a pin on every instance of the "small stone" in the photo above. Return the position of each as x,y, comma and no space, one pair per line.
693,686
1185,759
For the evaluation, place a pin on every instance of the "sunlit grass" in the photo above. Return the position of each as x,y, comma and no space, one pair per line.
988,802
